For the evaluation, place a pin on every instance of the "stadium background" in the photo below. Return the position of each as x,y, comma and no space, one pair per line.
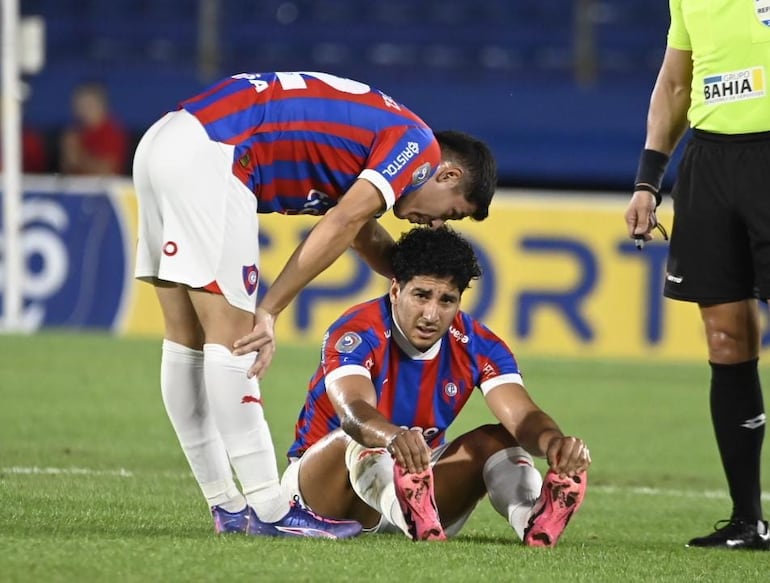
558,88
93,484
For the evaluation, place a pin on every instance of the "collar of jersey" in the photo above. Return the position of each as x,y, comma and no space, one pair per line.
408,348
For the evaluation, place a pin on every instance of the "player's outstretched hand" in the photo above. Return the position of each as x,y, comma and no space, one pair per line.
260,340
409,449
640,215
568,456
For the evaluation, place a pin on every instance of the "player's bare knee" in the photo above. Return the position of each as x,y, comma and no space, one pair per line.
181,324
492,438
484,441
222,322
323,477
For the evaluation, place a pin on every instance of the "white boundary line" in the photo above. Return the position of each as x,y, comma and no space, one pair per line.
124,473
35,470
672,493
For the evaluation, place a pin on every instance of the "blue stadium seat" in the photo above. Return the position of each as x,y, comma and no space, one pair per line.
518,54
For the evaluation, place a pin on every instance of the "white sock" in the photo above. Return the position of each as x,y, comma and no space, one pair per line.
184,396
513,485
371,475
236,405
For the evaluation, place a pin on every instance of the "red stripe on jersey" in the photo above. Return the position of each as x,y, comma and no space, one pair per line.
356,134
297,188
352,133
225,106
318,88
425,415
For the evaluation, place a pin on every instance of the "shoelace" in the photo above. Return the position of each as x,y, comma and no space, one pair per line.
724,524
295,503
728,524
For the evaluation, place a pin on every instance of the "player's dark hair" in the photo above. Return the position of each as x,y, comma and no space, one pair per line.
480,167
435,252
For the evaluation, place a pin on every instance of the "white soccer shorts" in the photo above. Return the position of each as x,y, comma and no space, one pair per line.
198,223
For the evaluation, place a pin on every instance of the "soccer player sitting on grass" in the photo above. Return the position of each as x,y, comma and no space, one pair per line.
394,374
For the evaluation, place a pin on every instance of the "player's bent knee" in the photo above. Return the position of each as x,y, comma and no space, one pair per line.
222,322
488,439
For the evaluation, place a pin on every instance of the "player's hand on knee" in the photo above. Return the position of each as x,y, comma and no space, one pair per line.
261,340
568,455
409,449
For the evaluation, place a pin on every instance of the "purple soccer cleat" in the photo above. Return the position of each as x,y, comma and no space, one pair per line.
229,522
301,521
418,503
558,501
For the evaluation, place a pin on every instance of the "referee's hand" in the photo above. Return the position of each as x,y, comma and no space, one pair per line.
640,216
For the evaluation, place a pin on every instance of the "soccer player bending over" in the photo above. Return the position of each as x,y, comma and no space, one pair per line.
394,374
289,143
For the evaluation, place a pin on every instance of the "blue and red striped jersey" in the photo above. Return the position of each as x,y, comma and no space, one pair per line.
414,390
302,139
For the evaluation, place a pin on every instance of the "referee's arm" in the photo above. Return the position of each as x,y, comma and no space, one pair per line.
667,115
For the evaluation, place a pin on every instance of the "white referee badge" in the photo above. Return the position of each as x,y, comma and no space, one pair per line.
762,10
348,342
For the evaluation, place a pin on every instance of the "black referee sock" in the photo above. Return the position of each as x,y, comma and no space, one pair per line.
737,413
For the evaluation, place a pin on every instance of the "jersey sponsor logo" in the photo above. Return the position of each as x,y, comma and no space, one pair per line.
250,399
402,159
348,343
457,335
250,278
421,174
762,10
734,86
427,432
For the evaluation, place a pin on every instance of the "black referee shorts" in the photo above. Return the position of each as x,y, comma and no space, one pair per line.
720,242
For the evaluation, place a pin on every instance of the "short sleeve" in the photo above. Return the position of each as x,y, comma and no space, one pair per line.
401,160
678,37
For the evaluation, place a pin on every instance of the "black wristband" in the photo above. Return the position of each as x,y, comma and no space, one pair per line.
647,188
652,167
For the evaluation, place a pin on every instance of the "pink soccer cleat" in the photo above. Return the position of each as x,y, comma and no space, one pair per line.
417,501
558,501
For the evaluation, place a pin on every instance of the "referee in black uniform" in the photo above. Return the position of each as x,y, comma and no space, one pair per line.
714,78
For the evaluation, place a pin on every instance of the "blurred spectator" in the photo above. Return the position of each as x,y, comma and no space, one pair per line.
97,143
34,156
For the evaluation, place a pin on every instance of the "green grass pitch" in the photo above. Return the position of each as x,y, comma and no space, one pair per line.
93,486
